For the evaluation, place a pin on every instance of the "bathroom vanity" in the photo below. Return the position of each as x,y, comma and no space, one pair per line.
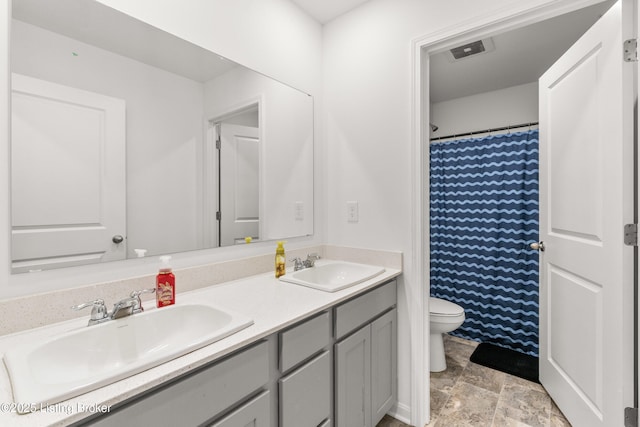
311,358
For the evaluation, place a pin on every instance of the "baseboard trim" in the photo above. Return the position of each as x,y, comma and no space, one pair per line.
401,412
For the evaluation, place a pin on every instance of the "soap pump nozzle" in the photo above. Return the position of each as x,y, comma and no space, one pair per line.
165,265
140,253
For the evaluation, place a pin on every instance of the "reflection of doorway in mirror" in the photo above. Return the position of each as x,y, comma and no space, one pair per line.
233,172
239,184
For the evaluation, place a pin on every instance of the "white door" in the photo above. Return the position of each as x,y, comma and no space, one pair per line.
67,182
586,196
239,183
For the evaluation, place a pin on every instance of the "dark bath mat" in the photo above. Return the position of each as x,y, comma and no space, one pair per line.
506,360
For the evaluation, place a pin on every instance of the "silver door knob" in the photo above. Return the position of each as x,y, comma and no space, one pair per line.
117,239
537,246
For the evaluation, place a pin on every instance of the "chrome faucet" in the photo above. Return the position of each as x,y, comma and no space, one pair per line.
125,307
131,305
311,260
298,264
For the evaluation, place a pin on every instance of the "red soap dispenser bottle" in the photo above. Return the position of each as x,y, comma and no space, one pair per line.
165,284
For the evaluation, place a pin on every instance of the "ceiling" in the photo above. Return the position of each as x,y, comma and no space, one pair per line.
520,56
324,11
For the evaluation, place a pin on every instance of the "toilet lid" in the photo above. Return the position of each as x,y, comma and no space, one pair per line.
444,308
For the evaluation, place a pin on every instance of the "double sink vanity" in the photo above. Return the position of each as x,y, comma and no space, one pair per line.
316,348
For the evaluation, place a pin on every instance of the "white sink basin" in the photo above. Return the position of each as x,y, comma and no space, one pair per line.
334,276
81,360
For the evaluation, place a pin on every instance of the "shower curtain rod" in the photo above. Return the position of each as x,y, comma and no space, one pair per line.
457,135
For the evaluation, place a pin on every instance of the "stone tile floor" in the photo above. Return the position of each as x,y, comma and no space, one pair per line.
467,394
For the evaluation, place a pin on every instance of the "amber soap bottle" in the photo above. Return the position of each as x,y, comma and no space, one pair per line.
280,260
165,284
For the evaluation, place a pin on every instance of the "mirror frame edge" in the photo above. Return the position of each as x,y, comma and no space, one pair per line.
5,142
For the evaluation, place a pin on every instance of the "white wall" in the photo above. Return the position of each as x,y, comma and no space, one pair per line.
505,107
273,37
368,95
162,168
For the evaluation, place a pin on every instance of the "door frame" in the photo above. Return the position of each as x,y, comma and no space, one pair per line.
505,19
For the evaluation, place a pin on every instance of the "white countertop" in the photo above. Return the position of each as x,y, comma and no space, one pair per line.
272,304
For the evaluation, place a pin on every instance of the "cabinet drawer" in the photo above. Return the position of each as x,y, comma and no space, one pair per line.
358,311
255,413
198,397
305,394
304,340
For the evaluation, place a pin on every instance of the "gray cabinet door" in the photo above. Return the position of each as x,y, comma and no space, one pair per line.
305,394
353,380
255,413
383,365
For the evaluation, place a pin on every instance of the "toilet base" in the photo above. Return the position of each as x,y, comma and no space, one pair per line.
437,361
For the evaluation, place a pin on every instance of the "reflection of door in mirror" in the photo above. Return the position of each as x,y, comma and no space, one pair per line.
67,176
235,173
239,183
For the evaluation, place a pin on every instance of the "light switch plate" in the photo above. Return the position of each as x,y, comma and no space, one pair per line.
298,209
352,211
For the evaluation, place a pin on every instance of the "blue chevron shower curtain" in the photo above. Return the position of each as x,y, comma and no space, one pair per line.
484,214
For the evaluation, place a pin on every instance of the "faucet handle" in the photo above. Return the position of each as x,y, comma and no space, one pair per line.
94,303
311,259
98,310
298,264
136,294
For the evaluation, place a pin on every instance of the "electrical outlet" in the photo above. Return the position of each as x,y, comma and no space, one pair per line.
298,209
352,211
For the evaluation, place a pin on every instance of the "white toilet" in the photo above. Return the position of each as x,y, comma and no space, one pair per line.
444,316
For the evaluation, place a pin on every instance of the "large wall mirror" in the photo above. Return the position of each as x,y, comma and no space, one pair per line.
127,141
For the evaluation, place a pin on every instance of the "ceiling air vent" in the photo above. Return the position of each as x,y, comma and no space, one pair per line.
470,49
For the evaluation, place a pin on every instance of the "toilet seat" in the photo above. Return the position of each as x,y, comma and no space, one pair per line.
442,307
